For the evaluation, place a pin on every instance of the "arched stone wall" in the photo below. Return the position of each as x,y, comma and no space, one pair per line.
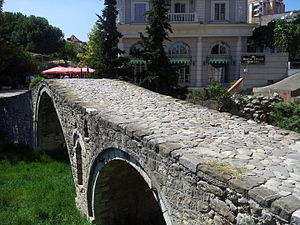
185,175
49,134
121,192
56,129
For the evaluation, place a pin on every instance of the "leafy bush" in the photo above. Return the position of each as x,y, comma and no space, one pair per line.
287,115
34,81
212,92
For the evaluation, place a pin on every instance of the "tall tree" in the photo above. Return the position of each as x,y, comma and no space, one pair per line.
160,76
263,37
88,55
108,59
35,34
287,37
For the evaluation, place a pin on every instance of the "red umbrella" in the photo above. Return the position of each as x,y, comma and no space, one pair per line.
58,70
83,70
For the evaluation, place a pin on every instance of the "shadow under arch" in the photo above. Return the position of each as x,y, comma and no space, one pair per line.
120,192
49,135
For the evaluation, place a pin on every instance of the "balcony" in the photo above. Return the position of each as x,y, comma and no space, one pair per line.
182,17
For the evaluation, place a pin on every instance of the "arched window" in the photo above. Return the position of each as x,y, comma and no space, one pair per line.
219,49
179,49
136,50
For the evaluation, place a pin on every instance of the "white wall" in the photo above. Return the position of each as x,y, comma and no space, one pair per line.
274,69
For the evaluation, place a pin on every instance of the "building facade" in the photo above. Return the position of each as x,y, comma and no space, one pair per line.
263,20
265,7
208,37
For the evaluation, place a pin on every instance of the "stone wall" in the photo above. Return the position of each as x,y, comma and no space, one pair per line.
202,167
16,119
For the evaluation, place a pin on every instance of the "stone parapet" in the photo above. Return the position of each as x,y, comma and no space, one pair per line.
207,167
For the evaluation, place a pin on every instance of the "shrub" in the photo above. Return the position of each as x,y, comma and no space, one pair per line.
212,92
34,81
287,116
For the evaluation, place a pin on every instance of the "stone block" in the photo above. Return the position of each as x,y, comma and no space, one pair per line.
243,185
296,217
214,172
165,149
210,188
218,220
284,207
243,219
263,196
221,208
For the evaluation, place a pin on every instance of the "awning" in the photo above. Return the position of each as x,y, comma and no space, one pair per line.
219,60
137,61
180,60
172,61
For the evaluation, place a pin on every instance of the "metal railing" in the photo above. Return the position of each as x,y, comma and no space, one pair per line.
182,17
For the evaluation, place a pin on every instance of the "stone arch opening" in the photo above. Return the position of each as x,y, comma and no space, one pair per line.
78,151
121,193
49,134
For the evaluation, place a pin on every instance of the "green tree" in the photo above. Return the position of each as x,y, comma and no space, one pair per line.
287,37
88,54
15,64
35,34
107,57
263,37
68,52
160,76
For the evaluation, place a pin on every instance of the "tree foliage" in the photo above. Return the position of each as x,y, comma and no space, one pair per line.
68,52
287,115
89,56
20,34
160,76
263,37
15,64
33,33
280,34
103,51
287,37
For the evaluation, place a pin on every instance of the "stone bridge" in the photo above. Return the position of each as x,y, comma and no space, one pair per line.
141,158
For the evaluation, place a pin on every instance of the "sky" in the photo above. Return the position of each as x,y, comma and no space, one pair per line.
71,16
75,16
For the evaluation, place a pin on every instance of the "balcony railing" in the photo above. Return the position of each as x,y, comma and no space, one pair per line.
182,17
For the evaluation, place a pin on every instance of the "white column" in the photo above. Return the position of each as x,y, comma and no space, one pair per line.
121,44
199,62
238,58
123,9
200,10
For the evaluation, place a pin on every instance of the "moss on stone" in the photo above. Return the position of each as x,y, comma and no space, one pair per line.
228,169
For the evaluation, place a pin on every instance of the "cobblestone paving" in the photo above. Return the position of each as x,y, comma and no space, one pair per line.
267,153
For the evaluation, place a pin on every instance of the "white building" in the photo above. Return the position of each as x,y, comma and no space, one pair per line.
208,37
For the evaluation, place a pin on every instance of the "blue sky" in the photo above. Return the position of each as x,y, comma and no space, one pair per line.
75,16
71,16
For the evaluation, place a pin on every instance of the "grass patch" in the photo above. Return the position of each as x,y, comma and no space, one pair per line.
227,169
35,81
36,189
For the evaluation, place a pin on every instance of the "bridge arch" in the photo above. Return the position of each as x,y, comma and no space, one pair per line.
122,191
48,130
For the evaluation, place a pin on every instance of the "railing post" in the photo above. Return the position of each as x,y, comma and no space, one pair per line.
182,17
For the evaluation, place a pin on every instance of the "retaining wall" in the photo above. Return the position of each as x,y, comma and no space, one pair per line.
16,119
